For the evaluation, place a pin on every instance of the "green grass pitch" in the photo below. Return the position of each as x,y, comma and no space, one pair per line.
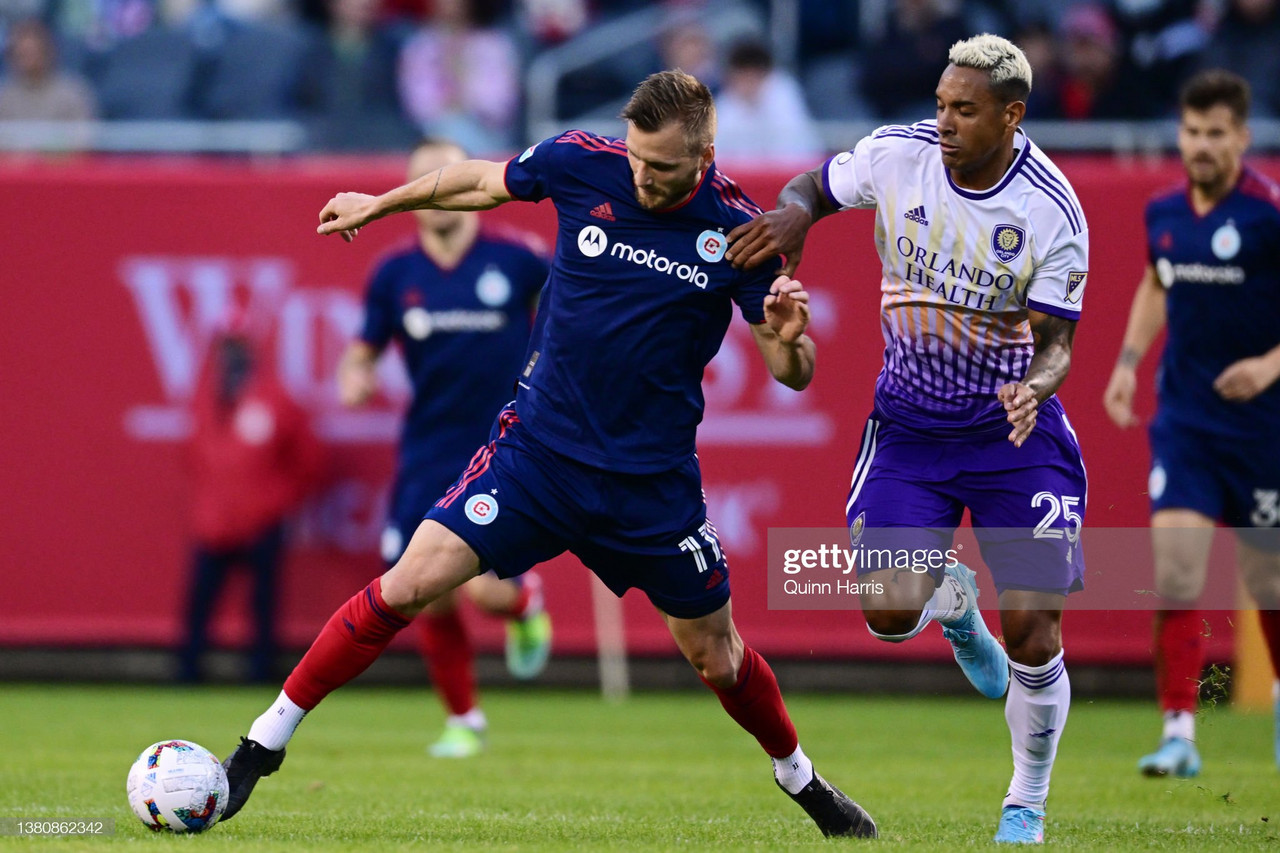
663,771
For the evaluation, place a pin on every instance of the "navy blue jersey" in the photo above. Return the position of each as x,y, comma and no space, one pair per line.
637,304
463,334
1221,272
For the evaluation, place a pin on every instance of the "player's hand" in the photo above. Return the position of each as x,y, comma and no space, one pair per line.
1246,379
357,381
1022,408
778,232
345,214
1118,398
786,309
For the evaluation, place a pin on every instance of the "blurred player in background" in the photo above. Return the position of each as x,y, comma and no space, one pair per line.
460,305
984,266
253,459
597,454
1213,277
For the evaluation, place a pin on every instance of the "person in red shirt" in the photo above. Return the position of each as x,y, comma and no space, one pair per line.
253,460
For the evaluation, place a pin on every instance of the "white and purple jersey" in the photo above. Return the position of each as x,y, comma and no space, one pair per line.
636,306
960,271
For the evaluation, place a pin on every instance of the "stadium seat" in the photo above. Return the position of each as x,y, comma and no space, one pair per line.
150,76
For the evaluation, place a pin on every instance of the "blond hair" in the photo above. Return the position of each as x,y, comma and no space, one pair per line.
1005,63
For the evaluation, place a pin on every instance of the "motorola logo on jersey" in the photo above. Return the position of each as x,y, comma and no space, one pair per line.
1170,273
592,241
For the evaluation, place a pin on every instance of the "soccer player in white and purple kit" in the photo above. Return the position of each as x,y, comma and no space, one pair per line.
458,303
985,255
597,454
1213,279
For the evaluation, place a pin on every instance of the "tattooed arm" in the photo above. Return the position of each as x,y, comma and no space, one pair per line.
469,185
1049,368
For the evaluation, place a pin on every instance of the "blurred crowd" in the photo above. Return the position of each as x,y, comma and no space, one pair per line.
377,74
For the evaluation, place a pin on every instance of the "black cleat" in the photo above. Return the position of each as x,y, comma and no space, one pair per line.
831,810
249,763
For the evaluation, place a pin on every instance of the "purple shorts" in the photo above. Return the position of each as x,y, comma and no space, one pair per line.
1026,504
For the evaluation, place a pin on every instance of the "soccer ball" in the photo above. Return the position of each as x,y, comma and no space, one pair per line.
177,785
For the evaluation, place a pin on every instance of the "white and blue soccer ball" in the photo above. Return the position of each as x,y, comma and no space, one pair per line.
177,786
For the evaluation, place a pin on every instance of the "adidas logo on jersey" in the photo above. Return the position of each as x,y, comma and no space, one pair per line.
604,211
916,214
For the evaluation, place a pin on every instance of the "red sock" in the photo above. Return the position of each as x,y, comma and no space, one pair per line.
1179,658
352,638
446,650
1270,620
755,703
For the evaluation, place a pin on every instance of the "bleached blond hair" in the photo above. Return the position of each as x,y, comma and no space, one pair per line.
1005,63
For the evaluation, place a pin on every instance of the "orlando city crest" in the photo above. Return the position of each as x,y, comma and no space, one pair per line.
1007,242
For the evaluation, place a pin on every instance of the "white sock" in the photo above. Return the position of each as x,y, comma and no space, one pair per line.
1036,711
473,719
1180,724
793,772
947,604
274,728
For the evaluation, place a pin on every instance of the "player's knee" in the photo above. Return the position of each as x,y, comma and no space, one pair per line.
434,564
1033,650
1176,585
893,626
715,666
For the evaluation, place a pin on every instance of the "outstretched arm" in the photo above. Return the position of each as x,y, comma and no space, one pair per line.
787,350
469,185
781,232
1049,367
1146,319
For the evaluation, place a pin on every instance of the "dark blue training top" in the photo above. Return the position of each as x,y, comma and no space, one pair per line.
637,304
463,334
1221,272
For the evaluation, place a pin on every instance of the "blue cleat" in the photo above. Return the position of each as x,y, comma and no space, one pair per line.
980,655
1020,825
1176,756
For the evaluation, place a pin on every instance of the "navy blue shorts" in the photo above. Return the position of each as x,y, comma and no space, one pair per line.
520,503
411,497
910,490
1234,481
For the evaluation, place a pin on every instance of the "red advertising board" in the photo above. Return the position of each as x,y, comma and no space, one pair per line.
116,271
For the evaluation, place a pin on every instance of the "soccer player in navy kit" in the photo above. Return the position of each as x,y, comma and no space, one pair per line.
1213,278
459,304
596,455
